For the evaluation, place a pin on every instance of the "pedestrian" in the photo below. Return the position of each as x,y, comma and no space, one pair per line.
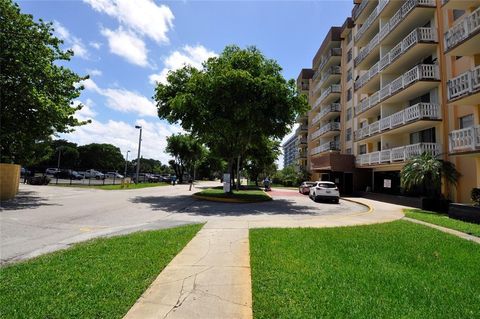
266,183
174,179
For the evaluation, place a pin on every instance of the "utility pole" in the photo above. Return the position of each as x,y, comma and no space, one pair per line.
126,163
138,156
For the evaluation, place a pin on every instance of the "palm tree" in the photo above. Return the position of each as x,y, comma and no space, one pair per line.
426,171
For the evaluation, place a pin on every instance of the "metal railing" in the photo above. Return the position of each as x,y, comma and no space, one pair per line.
404,10
329,146
462,30
326,57
398,154
334,88
414,37
464,84
415,112
358,9
464,140
417,73
325,75
331,126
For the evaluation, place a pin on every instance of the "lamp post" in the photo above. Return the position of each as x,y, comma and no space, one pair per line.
126,163
139,146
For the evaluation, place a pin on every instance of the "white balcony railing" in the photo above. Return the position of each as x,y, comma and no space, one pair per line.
398,154
358,9
326,57
416,36
325,75
464,140
331,126
371,18
329,146
417,73
413,113
464,84
462,30
404,10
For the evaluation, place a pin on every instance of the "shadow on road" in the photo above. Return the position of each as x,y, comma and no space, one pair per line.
187,204
25,200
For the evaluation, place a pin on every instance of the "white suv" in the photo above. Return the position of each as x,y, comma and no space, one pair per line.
325,190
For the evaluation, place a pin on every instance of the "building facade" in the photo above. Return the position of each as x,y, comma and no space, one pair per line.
290,151
399,78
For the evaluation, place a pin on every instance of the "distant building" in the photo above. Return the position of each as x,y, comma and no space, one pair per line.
290,151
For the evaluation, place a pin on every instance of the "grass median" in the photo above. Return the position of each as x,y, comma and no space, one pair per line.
444,221
249,195
391,270
101,278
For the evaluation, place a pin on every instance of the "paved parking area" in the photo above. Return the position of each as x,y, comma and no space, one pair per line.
46,218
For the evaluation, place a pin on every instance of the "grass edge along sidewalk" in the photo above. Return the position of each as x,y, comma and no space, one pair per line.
444,221
101,278
375,271
249,195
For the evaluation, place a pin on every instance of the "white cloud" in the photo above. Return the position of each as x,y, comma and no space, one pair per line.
123,100
74,43
188,55
144,17
94,72
125,136
127,45
86,112
96,45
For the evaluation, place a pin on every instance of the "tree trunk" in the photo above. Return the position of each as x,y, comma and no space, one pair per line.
238,172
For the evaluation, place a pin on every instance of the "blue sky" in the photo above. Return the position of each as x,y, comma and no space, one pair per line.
127,45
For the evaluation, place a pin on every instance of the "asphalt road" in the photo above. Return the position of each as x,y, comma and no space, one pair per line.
42,219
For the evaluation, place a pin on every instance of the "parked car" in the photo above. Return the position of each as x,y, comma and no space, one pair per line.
113,175
145,177
304,188
51,171
324,190
67,174
91,173
38,180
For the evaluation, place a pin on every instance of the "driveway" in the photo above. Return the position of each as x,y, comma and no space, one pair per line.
46,218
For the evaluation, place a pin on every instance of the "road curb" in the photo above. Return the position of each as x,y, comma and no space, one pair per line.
370,208
227,200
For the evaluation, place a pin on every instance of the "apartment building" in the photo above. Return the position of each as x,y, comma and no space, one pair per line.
399,78
290,151
303,83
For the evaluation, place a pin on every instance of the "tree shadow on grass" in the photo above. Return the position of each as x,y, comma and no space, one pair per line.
25,200
188,205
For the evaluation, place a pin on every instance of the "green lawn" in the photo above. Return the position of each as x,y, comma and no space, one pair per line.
252,194
114,187
101,278
392,270
443,220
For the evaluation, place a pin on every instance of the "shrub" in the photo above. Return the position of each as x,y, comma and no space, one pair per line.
476,196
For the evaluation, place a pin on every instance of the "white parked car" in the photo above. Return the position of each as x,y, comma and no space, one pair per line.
113,175
325,190
51,171
91,173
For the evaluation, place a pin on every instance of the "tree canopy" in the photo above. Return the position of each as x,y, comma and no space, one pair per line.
36,90
234,101
101,156
187,151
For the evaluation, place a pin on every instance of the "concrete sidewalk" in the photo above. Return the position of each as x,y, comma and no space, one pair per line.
210,277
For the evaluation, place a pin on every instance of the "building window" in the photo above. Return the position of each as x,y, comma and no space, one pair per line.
349,74
349,94
425,136
362,149
457,14
349,114
466,121
349,55
348,135
348,151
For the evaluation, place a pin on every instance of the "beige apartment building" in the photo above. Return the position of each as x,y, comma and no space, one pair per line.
399,78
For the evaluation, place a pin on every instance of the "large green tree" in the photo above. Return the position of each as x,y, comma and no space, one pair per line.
101,157
260,159
235,100
36,89
187,152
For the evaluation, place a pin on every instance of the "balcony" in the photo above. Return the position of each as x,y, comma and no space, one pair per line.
416,43
465,88
302,141
369,22
360,11
330,110
328,95
464,140
405,18
463,38
331,57
328,76
414,82
325,147
397,154
459,4
301,155
417,112
327,129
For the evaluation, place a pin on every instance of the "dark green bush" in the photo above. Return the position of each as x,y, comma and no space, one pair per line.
476,196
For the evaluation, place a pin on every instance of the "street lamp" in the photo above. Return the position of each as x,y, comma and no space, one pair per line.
139,146
126,162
